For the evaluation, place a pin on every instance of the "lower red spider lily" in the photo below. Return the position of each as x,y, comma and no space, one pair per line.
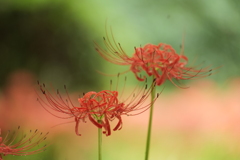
160,61
12,145
99,107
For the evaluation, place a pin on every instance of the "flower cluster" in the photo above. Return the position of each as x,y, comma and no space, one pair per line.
99,107
160,61
12,145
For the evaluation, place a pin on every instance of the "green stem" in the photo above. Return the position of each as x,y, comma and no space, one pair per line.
99,142
153,91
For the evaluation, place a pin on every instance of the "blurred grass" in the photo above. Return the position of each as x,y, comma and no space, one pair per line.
122,145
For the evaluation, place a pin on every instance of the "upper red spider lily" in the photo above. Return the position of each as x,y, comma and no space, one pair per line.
99,107
160,61
12,145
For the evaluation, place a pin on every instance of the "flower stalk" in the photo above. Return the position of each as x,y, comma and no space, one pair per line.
99,142
153,92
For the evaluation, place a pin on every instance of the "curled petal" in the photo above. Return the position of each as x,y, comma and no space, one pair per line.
119,124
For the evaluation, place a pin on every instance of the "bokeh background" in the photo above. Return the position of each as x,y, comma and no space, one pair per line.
52,41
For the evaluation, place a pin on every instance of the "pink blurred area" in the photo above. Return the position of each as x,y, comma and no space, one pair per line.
204,107
19,106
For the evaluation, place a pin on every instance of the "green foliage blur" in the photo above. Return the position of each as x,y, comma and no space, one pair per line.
49,41
54,39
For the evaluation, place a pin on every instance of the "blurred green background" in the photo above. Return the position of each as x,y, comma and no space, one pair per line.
53,41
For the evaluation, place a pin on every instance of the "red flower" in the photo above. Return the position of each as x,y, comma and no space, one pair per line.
99,107
160,61
11,145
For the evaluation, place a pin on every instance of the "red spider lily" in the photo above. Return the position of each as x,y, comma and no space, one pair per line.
11,145
99,107
160,61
